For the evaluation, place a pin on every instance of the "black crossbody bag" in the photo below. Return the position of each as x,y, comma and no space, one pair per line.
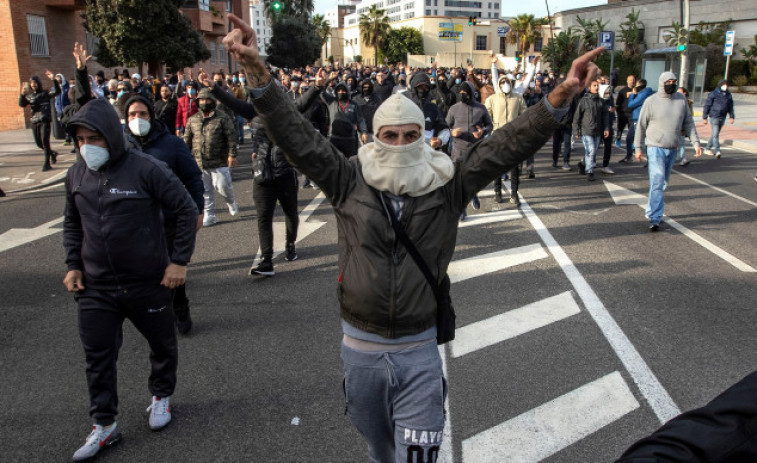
445,313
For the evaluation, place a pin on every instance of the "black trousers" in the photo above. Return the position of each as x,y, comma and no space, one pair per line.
561,136
284,190
607,149
41,133
101,317
179,298
622,123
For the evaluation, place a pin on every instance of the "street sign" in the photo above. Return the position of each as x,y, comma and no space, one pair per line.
449,32
730,36
502,31
607,40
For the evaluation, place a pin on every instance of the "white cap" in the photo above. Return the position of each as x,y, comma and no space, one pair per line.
397,110
136,76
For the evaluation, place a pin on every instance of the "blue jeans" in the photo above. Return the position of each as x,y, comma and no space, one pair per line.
681,148
590,146
629,139
714,143
240,128
396,401
660,165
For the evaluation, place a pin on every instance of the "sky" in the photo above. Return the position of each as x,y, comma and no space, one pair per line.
509,8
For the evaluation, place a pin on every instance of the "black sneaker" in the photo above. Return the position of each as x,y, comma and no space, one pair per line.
531,174
46,167
264,268
498,196
654,227
581,168
590,176
515,200
291,253
54,157
623,161
183,320
476,203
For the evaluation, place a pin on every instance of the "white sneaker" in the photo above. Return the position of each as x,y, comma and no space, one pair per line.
684,162
607,170
160,412
717,155
101,436
209,220
709,152
233,209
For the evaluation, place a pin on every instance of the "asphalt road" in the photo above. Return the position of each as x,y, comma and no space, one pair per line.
579,331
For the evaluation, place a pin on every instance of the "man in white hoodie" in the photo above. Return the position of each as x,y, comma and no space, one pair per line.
662,117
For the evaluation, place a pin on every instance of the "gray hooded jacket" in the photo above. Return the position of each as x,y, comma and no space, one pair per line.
662,118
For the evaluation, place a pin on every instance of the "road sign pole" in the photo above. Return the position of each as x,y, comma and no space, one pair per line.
612,65
727,63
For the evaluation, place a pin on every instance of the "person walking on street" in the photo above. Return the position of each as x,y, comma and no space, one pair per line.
118,264
635,101
397,186
36,97
211,136
661,120
590,123
719,104
622,111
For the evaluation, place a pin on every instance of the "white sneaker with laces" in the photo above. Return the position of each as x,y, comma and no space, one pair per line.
209,221
100,437
717,155
709,152
233,209
607,170
160,412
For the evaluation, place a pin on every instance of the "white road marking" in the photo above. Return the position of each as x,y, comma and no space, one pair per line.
464,269
491,217
623,196
659,399
513,323
547,429
20,236
694,179
445,451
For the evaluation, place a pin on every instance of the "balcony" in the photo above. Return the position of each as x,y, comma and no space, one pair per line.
66,4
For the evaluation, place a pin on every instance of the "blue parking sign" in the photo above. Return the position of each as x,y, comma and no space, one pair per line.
607,40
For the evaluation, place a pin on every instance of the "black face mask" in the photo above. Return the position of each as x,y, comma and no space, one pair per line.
206,107
464,97
342,96
219,82
670,88
367,91
422,93
441,83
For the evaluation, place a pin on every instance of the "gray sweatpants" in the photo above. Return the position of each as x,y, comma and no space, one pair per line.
396,401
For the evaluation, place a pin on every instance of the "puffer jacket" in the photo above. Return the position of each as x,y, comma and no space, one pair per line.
39,101
113,225
380,288
719,104
212,139
592,116
263,146
504,108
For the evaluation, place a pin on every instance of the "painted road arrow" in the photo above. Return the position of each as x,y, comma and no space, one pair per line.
623,196
19,236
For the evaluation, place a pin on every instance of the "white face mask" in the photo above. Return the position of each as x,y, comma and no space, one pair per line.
139,127
94,156
723,88
505,87
532,85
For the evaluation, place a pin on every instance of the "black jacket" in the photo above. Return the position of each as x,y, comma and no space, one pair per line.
39,101
167,147
263,146
369,103
435,122
165,111
113,225
592,116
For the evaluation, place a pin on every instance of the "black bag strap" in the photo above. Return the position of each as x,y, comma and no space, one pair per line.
410,247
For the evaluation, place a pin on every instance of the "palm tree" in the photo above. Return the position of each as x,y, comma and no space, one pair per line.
589,31
524,30
564,48
374,27
322,28
631,32
671,35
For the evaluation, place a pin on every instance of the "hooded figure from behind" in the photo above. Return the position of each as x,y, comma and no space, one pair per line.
436,130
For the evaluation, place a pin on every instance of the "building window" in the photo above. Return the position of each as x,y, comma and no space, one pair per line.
203,5
428,2
481,42
37,35
496,15
502,46
221,54
212,48
538,43
428,12
496,6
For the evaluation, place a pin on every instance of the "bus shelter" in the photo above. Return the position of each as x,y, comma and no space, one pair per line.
660,60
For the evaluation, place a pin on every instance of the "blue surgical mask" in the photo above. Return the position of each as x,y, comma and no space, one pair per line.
121,93
94,156
243,79
457,81
191,92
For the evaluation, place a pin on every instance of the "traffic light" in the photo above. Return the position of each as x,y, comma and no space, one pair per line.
683,40
276,6
432,60
470,20
475,20
517,55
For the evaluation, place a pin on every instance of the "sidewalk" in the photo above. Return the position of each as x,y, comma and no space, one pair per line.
21,162
743,133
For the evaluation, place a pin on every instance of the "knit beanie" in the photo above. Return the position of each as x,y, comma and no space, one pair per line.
397,110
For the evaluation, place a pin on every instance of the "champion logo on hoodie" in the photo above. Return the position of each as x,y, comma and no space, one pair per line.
120,192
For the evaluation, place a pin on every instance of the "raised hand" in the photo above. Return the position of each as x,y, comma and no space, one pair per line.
49,74
242,43
81,56
581,73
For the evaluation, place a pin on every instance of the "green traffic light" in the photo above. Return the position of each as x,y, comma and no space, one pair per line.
276,6
682,48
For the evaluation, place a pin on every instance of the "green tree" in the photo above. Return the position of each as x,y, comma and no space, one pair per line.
670,36
751,56
300,8
589,33
322,28
294,41
374,28
563,49
402,42
706,33
631,34
151,32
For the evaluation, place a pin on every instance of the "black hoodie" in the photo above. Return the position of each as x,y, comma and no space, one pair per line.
40,100
113,226
435,122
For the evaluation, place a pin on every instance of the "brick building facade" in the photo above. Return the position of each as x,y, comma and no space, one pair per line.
40,35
